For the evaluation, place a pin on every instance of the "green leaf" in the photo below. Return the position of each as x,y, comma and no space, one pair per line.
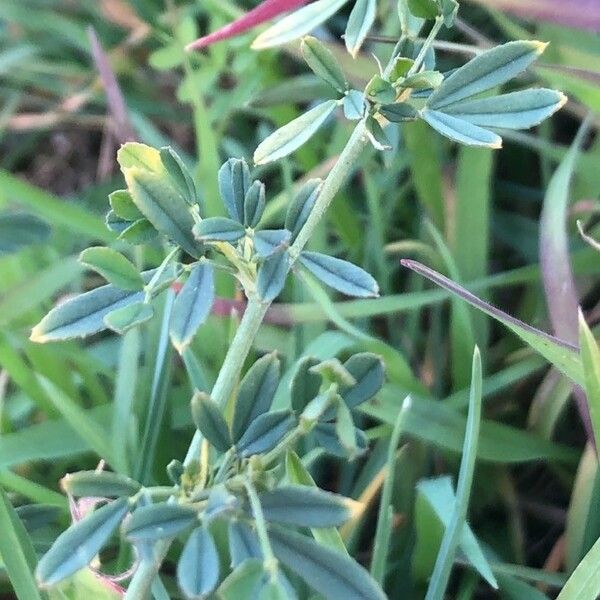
17,552
301,206
332,370
272,275
265,432
376,134
328,572
134,154
243,543
198,566
487,70
291,136
76,547
219,229
99,484
354,105
113,266
158,521
359,23
125,318
297,473
327,435
123,205
269,241
461,131
254,204
439,495
234,183
305,383
244,583
256,393
590,358
18,231
449,11
398,112
340,275
210,422
323,63
458,517
561,354
84,314
369,372
425,9
517,110
345,431
192,305
305,506
380,90
159,202
139,232
584,583
297,24
424,80
179,174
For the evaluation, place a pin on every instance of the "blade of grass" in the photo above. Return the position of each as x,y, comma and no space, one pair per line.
17,552
383,532
29,489
451,539
590,356
584,583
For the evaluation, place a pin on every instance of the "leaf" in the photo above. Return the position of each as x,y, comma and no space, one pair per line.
346,432
297,473
256,393
198,566
17,552
265,432
139,232
354,105
243,543
305,506
158,521
272,275
517,110
234,182
359,23
99,484
369,372
328,572
123,205
376,134
424,80
326,435
125,318
584,582
192,305
159,202
269,241
323,63
461,131
458,516
219,229
301,206
562,355
209,421
380,90
76,547
440,498
179,174
487,70
113,266
254,204
590,358
398,112
340,275
291,136
297,24
84,314
244,583
18,231
305,383
425,9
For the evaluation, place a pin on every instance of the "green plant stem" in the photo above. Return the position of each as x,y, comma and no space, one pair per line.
261,525
439,21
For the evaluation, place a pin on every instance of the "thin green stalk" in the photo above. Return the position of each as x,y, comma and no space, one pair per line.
445,557
261,526
383,532
439,21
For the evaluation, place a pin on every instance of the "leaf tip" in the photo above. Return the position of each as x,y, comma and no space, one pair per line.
37,336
